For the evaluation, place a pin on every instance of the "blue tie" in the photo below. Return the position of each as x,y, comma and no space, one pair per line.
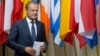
33,32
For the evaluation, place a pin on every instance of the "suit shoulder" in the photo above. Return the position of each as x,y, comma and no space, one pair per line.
40,22
18,21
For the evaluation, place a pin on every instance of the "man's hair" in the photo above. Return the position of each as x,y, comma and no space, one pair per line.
30,2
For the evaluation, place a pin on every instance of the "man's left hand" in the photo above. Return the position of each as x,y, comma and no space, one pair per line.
42,48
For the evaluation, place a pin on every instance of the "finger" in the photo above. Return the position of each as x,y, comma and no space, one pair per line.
33,51
32,54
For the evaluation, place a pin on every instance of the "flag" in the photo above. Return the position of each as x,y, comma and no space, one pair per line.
55,21
17,12
2,2
67,21
3,35
13,12
24,4
85,15
96,2
45,15
7,14
78,19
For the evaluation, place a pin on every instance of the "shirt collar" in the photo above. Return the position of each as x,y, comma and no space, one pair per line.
28,20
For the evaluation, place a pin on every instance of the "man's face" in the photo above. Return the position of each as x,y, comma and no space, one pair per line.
32,11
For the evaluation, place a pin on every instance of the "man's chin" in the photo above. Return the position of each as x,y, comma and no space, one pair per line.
34,17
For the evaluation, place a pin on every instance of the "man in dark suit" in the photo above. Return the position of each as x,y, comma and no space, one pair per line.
21,37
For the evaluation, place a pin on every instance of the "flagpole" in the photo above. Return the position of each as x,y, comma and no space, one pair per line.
3,49
74,44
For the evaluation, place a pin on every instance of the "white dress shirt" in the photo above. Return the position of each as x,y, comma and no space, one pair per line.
30,25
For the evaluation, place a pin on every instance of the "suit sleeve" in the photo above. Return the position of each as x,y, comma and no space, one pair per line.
12,40
44,37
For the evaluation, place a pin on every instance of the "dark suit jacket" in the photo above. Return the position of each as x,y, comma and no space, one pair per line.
20,37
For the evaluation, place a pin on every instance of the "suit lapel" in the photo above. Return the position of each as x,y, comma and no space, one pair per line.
27,31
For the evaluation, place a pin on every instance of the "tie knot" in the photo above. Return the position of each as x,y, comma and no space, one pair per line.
32,22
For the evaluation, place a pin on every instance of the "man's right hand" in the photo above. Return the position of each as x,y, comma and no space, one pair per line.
30,51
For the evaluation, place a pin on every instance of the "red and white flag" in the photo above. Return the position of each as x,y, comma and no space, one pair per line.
17,12
7,15
85,15
3,35
10,11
